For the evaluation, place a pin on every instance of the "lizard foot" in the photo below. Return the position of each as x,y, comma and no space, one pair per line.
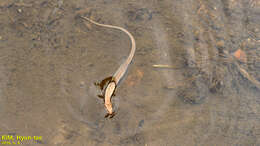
108,115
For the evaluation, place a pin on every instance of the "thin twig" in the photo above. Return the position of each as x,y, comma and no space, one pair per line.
163,66
22,5
248,76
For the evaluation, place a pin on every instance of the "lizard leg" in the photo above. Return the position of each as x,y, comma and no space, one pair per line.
112,115
96,83
104,81
101,97
107,115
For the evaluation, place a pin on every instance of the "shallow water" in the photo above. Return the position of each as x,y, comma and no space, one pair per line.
50,58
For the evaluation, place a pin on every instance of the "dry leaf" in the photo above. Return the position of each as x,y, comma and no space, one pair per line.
240,55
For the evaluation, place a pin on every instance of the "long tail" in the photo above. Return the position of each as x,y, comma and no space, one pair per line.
123,67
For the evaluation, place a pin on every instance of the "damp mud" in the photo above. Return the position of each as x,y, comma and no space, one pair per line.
194,79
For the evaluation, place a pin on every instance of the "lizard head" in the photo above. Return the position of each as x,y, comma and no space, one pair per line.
109,108
109,92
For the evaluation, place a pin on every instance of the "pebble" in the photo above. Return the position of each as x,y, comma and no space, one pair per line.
19,10
220,44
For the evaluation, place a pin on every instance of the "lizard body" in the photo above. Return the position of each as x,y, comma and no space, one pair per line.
110,83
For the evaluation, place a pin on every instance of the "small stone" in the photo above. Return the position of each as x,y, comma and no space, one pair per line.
240,55
220,44
82,84
19,10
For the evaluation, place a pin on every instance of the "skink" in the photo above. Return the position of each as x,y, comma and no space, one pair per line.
110,83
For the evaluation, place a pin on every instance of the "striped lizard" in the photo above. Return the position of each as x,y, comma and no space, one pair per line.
109,84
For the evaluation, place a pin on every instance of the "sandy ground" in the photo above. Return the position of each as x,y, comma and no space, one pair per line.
50,58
